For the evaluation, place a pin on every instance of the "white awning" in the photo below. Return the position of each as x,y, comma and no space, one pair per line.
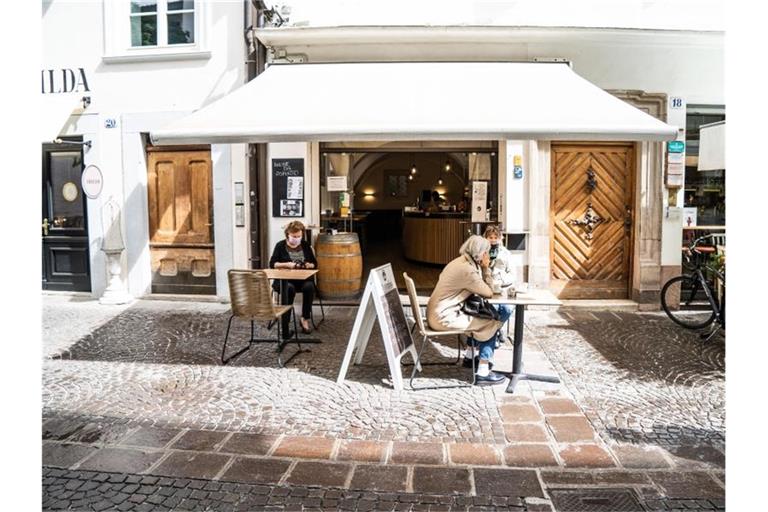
415,101
55,113
712,146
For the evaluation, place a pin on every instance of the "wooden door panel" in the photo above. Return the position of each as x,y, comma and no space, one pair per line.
595,266
179,191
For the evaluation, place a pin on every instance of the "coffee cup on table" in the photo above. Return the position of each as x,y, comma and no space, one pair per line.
496,287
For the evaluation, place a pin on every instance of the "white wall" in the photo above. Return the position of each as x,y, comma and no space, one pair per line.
692,64
672,216
311,180
678,14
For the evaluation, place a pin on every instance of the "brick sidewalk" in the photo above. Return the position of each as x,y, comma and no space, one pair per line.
143,393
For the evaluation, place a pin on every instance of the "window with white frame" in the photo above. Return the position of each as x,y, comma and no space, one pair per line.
159,23
158,30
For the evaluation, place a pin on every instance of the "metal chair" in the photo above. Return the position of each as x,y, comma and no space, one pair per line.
426,333
319,297
251,298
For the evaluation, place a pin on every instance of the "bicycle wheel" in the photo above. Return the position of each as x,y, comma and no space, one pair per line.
682,303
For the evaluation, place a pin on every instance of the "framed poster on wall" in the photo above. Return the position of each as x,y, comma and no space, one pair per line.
288,187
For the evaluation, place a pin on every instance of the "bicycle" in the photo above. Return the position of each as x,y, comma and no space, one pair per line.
681,296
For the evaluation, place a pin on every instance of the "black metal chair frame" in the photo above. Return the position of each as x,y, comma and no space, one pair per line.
428,333
280,341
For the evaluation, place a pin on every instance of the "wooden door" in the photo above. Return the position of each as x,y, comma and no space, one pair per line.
591,216
180,202
66,260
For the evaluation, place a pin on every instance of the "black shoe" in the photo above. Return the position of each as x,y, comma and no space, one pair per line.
491,379
467,363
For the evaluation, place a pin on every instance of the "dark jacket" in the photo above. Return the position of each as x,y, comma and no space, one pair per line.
280,253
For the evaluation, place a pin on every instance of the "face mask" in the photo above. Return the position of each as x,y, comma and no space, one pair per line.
294,241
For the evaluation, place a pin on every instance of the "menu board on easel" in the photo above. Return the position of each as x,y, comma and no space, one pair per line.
288,187
381,302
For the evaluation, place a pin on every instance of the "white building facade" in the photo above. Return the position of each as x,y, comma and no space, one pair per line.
140,64
137,92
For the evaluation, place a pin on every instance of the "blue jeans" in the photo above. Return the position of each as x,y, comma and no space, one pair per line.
485,348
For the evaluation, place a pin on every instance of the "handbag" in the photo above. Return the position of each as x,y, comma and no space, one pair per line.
479,307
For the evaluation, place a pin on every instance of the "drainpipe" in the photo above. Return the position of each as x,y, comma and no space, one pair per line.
256,58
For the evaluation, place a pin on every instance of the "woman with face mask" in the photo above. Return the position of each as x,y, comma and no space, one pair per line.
501,264
501,269
465,275
291,253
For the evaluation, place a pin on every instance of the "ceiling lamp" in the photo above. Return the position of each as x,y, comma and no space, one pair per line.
447,166
440,181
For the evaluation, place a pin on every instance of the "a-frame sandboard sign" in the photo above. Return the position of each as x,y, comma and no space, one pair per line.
381,300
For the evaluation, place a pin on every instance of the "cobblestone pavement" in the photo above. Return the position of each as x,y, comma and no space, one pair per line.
160,362
140,391
68,318
89,490
92,490
639,377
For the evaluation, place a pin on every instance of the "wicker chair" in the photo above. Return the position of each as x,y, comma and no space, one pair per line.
251,298
426,333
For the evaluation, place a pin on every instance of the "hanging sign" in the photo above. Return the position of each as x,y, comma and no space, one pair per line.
336,183
381,301
675,158
92,182
479,198
288,187
675,146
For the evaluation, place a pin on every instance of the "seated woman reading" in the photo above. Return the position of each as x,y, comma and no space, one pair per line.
463,276
291,253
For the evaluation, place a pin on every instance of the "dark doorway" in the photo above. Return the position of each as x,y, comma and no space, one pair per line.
66,265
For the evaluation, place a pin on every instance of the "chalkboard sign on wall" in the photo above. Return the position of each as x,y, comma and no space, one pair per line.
288,187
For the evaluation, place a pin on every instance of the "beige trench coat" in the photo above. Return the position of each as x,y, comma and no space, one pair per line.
458,280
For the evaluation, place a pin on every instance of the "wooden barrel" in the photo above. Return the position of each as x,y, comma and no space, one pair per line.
339,264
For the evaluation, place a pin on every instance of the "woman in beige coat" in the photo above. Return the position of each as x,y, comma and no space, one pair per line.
465,275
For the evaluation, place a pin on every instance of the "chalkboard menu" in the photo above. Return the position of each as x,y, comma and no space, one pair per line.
288,187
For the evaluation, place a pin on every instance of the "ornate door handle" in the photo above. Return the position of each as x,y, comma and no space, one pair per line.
591,180
590,220
627,218
45,226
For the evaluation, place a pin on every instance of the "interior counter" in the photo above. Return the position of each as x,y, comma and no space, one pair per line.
434,237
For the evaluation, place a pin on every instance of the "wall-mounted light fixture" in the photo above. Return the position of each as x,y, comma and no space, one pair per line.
85,143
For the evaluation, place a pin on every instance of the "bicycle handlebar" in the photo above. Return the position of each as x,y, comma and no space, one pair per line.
699,240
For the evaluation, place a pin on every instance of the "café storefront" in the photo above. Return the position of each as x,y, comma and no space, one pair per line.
578,172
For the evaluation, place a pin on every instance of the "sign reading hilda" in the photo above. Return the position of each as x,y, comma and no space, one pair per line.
288,187
58,81
381,301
